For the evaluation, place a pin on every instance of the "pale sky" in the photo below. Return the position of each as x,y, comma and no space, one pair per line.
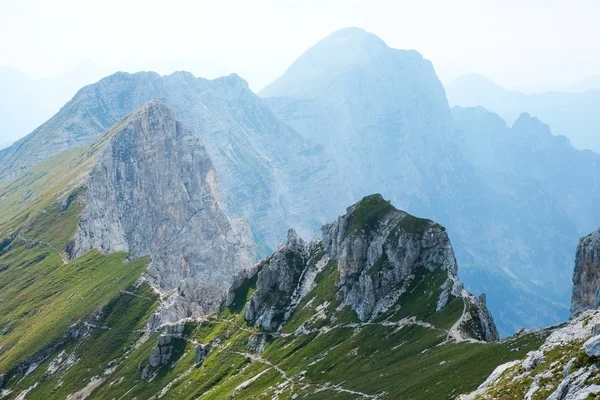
518,44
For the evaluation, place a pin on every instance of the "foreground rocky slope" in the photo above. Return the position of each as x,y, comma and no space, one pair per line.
565,366
374,309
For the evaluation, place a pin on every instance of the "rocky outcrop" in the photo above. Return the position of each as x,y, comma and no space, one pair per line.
201,351
278,278
378,252
563,368
380,249
152,192
586,276
476,321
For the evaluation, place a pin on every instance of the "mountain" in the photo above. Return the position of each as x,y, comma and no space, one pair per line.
530,150
135,212
570,114
266,171
565,365
373,309
382,115
353,117
538,170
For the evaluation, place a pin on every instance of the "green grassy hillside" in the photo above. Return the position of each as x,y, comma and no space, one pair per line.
42,292
334,358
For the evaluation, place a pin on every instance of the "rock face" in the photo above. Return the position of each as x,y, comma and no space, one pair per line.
152,192
563,368
378,249
278,278
378,252
586,276
267,172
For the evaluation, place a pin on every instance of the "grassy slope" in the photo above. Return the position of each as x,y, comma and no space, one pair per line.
40,295
121,326
410,363
337,359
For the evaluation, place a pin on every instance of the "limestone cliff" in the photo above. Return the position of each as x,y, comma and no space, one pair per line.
152,192
378,254
586,276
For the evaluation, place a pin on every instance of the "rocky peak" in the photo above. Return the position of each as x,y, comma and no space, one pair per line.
152,192
586,276
380,249
352,59
372,255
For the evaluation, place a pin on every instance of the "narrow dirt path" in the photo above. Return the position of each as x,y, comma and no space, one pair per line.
336,388
62,255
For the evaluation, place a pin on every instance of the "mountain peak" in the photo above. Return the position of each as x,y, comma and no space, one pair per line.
152,107
352,35
340,58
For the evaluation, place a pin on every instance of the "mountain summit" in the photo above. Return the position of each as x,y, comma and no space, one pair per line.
353,68
338,53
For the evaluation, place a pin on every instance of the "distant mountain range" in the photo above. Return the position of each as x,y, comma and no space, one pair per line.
573,114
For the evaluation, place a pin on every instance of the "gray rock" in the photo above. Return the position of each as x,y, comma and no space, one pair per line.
162,352
201,351
586,276
278,278
533,359
592,346
256,344
152,192
568,367
561,391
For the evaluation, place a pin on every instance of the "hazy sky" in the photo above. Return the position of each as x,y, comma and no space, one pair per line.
517,43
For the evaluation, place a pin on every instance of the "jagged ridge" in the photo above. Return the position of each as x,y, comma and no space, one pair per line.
373,255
